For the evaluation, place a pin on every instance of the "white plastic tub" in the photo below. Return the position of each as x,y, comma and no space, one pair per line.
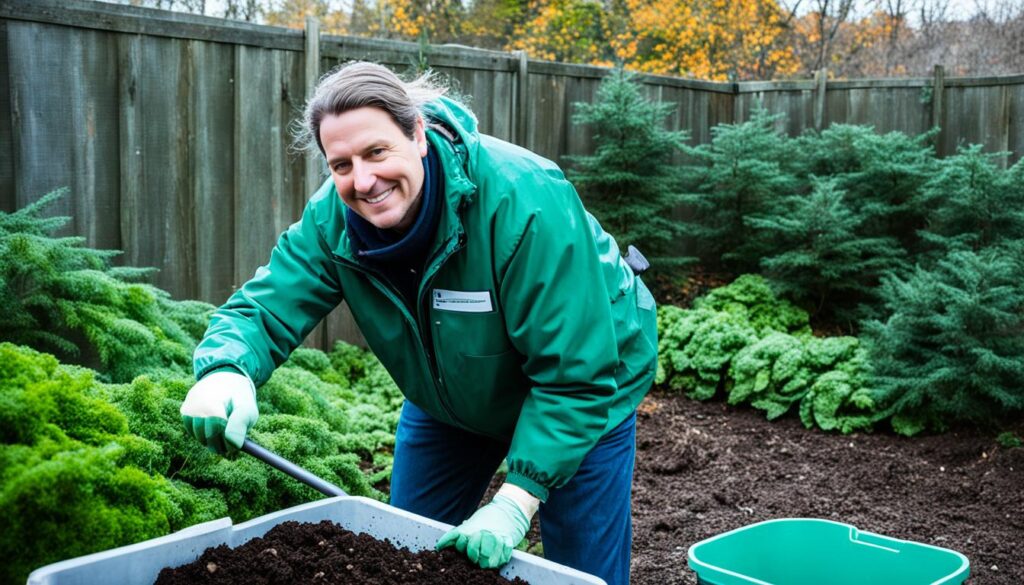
140,563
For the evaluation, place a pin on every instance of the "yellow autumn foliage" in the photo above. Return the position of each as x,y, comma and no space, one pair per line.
707,39
292,14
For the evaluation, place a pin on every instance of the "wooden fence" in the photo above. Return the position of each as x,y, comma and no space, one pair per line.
171,130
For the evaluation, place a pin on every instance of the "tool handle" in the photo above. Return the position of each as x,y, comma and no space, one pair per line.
281,464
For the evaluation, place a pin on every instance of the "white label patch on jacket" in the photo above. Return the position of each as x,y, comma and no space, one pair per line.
463,301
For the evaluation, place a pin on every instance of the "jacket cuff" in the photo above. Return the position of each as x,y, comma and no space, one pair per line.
535,489
225,368
220,366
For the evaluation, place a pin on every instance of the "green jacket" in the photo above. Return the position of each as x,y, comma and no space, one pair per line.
530,328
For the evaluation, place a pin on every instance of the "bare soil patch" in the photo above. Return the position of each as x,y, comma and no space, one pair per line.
706,468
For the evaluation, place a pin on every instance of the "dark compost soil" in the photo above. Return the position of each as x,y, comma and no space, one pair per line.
326,553
706,468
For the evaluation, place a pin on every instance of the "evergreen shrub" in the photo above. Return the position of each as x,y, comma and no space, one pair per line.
823,258
629,183
743,171
882,175
952,348
62,297
972,203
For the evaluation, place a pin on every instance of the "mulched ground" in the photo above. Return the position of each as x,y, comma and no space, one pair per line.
326,553
707,468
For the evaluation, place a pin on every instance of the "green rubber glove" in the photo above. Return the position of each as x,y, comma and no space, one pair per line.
220,409
491,533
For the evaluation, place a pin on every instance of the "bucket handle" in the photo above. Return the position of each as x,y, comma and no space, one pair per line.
873,540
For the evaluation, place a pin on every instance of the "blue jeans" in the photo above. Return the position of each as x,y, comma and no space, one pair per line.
442,472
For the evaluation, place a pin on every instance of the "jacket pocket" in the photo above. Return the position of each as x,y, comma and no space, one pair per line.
481,370
636,327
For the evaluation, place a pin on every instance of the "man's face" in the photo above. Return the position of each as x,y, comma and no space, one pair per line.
377,170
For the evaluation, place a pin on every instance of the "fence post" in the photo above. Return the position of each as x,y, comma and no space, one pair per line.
312,58
522,120
318,338
820,83
938,89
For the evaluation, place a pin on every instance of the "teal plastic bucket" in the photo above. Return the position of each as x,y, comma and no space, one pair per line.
807,551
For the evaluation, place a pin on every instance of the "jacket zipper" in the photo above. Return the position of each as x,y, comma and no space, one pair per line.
424,311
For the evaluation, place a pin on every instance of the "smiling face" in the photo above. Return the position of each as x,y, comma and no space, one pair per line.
377,169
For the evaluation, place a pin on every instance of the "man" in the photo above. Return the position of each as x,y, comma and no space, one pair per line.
498,304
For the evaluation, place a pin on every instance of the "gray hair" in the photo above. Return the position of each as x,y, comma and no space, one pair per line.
360,84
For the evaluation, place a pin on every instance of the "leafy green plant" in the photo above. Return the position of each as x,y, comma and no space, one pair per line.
629,183
1008,440
839,401
743,340
696,347
78,456
952,348
63,297
751,298
337,424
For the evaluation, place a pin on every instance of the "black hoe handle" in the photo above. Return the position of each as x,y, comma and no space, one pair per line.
281,464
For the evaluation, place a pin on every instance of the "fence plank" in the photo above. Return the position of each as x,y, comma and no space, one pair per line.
975,115
254,196
692,113
522,103
820,91
503,114
64,125
156,204
311,74
94,106
938,105
579,139
264,202
110,17
41,78
546,134
212,102
1015,133
293,177
7,176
